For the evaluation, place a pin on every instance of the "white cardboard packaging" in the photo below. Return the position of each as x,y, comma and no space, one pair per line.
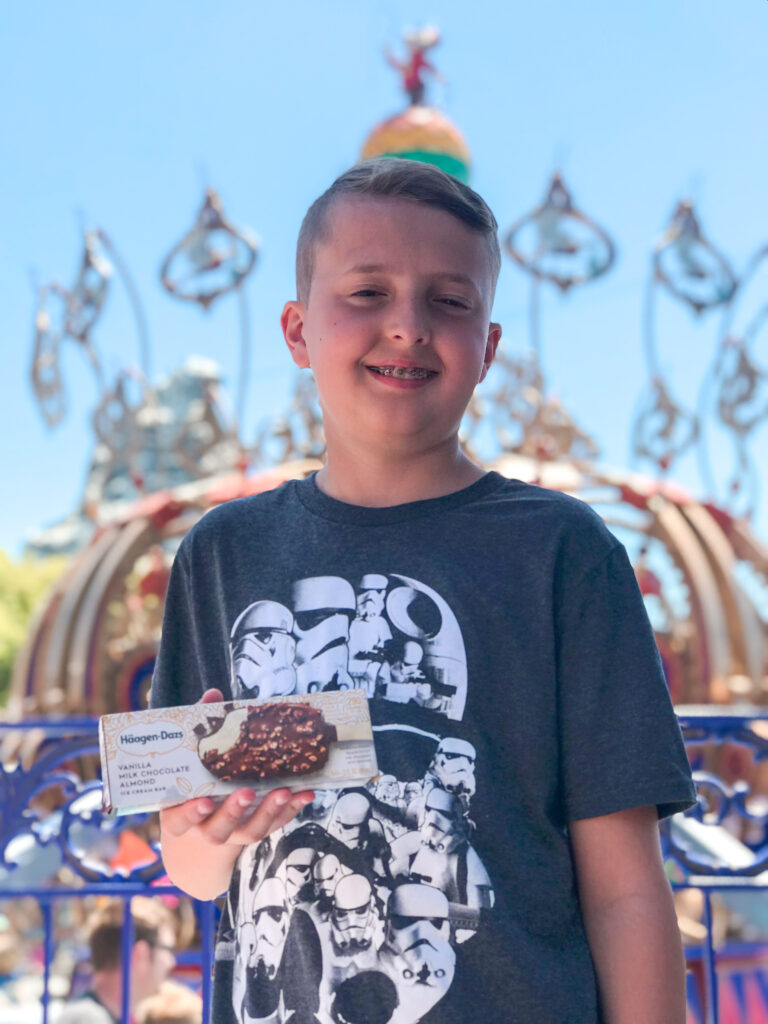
150,759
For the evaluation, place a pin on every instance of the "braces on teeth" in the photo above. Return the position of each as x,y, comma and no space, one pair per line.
401,371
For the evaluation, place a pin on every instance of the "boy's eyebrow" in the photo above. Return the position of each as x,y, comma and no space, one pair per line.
376,268
366,268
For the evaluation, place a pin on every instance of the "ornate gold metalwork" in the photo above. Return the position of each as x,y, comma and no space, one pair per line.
212,259
149,439
687,264
662,430
738,385
559,243
297,435
85,301
517,416
81,307
45,371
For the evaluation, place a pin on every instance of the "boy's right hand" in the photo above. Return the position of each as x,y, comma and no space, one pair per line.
238,820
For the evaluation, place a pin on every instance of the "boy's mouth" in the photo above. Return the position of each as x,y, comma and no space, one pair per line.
404,372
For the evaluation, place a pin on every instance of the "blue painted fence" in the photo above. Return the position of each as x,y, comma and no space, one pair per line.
50,824
36,843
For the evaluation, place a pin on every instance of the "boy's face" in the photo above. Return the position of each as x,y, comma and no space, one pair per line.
396,327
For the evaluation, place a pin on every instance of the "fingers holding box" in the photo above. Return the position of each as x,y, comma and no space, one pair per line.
239,819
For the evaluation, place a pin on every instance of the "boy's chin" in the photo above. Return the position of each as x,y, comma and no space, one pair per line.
413,443
403,437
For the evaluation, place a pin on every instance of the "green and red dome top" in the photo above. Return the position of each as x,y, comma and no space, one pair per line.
421,133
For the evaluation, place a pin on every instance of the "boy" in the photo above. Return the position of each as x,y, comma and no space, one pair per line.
509,871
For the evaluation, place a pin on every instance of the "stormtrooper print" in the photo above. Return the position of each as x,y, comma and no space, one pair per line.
353,913
263,648
381,883
389,635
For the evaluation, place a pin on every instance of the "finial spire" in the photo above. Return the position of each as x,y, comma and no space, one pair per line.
412,69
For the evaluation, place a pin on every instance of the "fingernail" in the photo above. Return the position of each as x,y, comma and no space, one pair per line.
282,799
245,799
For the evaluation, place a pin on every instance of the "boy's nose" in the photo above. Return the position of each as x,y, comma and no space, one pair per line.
409,324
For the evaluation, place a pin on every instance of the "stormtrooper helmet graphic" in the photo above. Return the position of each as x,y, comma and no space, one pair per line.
263,648
296,871
441,824
352,917
454,766
270,926
325,874
323,608
349,819
417,951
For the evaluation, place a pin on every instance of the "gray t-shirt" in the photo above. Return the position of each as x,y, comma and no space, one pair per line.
514,686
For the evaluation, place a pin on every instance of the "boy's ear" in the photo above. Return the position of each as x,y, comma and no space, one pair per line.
292,322
494,337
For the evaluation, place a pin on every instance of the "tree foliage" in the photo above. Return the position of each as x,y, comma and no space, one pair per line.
24,584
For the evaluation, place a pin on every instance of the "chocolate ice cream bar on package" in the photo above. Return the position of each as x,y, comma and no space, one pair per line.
161,757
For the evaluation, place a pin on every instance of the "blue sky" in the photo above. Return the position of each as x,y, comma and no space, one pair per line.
117,115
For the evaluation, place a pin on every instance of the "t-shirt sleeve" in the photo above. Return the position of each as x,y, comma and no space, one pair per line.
176,678
620,742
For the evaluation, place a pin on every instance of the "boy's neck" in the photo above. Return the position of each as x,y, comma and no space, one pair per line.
376,480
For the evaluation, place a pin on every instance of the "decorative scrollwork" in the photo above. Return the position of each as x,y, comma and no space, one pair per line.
51,819
516,416
297,435
559,243
740,403
721,801
85,300
80,309
553,434
150,438
116,426
204,444
738,385
662,430
114,419
46,369
689,266
212,259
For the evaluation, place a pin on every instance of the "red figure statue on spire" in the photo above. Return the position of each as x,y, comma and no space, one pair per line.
413,68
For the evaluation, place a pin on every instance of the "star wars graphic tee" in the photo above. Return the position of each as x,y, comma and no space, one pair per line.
514,686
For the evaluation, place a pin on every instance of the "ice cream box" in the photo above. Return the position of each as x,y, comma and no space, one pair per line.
164,756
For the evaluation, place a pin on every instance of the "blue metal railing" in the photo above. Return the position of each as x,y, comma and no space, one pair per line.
51,824
37,842
705,855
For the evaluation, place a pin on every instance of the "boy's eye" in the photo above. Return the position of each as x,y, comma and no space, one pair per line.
365,293
450,300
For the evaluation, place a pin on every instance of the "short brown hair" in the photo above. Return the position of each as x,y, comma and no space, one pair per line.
394,178
105,928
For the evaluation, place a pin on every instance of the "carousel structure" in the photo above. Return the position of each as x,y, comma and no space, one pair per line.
167,452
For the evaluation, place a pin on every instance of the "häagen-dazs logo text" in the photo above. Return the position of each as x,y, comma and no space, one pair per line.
152,738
